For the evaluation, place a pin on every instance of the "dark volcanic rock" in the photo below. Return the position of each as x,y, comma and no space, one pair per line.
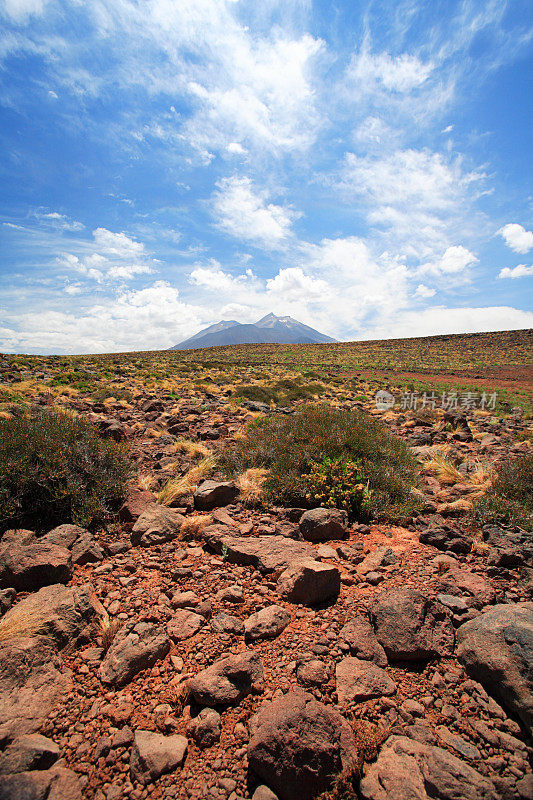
362,641
447,539
321,524
228,680
62,612
298,745
28,752
156,525
410,770
27,568
267,553
153,755
411,626
135,647
33,679
497,650
309,582
57,783
213,494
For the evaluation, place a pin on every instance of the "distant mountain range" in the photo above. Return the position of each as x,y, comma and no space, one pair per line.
273,329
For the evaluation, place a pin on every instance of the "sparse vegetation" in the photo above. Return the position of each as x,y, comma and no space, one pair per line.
339,483
290,446
510,498
55,468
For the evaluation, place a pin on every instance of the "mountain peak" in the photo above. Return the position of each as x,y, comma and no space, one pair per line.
269,329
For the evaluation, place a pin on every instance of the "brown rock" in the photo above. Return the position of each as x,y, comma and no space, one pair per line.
184,624
322,524
411,626
156,525
309,582
359,680
153,755
228,680
298,745
362,641
27,568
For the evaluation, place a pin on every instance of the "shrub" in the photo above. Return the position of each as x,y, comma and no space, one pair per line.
338,483
281,392
55,468
510,498
291,446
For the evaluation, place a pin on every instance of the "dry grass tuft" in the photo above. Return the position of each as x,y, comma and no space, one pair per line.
27,622
193,449
146,482
441,466
368,740
194,525
187,484
251,484
107,631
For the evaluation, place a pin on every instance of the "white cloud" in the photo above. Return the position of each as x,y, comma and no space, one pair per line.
60,221
521,271
516,237
424,291
20,10
401,73
415,199
244,212
293,284
119,258
235,148
455,260
441,320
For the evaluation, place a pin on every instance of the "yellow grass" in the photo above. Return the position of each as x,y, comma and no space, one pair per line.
186,484
251,485
146,482
194,525
440,466
25,623
193,449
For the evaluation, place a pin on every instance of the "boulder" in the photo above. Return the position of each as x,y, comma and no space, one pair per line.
265,553
298,746
497,650
213,494
134,506
64,613
184,624
267,623
156,525
228,680
359,636
380,557
153,755
64,535
410,770
446,539
309,582
205,728
33,679
473,587
359,680
7,598
135,647
28,752
322,524
27,568
411,626
227,623
56,783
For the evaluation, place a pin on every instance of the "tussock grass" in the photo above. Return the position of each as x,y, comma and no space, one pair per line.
251,483
192,449
194,525
29,622
509,498
445,470
186,484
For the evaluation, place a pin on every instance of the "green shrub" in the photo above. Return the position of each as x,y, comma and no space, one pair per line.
55,468
281,392
253,391
510,498
288,446
338,483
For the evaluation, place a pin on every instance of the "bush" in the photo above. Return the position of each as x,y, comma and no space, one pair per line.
338,483
54,468
291,446
281,392
510,498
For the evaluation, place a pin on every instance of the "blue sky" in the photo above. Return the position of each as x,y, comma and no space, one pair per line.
362,166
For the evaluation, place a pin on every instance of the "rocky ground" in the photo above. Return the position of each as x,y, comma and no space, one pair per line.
213,651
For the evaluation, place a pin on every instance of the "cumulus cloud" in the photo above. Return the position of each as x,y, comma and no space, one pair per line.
441,320
521,271
20,10
243,211
455,260
424,291
517,237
